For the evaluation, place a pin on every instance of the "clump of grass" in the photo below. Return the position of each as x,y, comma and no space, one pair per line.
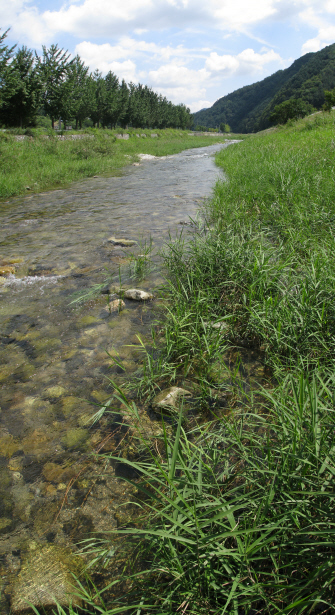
141,262
239,515
267,264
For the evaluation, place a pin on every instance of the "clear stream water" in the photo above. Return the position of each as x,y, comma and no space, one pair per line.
54,365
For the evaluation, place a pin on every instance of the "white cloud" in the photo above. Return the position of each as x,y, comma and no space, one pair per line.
200,104
171,75
179,83
246,62
325,36
318,17
89,19
105,58
242,13
94,54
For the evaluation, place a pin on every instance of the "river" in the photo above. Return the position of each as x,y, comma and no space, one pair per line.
54,361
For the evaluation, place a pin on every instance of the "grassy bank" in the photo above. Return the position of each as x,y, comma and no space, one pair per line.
44,161
266,266
239,513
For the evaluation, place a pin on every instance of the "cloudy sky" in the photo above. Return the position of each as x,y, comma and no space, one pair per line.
192,51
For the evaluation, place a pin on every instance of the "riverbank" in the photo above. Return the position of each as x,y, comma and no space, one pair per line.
240,511
42,162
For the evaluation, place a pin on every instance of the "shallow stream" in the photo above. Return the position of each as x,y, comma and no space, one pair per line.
54,367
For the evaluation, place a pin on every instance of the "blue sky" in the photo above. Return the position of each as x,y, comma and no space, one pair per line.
192,51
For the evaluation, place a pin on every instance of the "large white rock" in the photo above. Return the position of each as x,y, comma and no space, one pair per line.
138,295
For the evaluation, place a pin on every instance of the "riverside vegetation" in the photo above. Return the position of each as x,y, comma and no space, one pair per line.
45,161
236,513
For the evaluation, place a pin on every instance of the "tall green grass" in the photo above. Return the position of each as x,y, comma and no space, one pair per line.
239,515
267,264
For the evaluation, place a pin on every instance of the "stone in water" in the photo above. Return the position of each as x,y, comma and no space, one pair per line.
138,295
122,242
116,305
45,579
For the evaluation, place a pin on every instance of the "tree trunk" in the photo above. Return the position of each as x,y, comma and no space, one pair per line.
53,123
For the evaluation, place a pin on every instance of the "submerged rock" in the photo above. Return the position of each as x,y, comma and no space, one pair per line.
169,400
122,242
5,525
46,578
138,295
6,270
75,438
8,445
56,391
116,305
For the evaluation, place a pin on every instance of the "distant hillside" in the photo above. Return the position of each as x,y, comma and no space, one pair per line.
248,109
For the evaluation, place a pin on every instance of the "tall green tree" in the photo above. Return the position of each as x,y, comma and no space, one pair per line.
76,102
24,90
123,103
111,106
99,102
53,69
6,53
87,101
329,100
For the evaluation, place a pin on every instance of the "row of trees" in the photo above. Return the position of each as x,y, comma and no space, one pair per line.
59,86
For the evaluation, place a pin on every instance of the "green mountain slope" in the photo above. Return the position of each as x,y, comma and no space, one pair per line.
248,109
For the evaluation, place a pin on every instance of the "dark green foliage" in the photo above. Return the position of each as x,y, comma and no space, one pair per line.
53,69
80,94
292,109
329,100
5,55
224,127
248,109
23,92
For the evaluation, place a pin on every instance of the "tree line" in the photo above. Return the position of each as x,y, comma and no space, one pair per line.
60,87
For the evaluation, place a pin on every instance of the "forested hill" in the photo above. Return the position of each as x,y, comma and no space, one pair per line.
248,109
